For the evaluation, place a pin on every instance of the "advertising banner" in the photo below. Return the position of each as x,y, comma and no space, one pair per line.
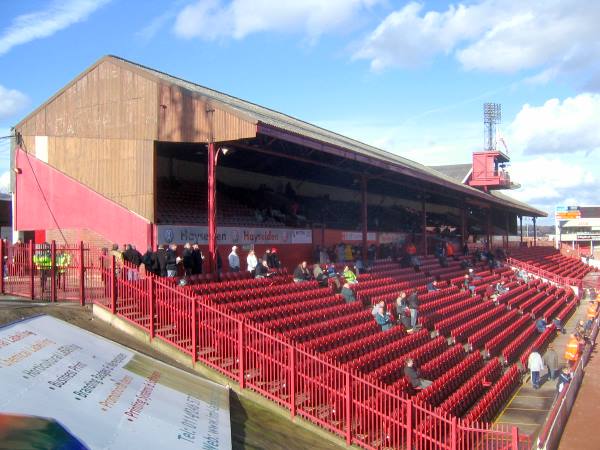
390,238
101,395
180,234
356,236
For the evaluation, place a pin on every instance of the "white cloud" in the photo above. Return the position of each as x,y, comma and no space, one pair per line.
567,126
5,182
40,24
214,19
490,35
11,102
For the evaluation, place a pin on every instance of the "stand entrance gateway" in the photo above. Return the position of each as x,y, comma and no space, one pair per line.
65,386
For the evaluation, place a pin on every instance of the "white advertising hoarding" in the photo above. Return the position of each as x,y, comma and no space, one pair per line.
180,234
105,395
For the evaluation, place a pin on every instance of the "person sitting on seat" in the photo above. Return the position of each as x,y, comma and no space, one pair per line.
349,275
348,293
402,311
319,275
501,289
383,319
301,273
432,286
262,269
541,325
376,307
413,376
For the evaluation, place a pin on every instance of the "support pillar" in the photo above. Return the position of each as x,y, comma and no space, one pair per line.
364,218
463,227
424,229
521,228
534,232
507,233
488,229
212,208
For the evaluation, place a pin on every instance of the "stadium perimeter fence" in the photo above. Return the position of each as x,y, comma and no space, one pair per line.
338,399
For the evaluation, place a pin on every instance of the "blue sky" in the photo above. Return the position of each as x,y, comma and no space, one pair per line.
408,77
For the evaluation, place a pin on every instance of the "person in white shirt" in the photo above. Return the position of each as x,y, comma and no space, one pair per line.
252,262
536,365
234,260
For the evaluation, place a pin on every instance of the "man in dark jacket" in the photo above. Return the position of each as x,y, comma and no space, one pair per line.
196,259
161,261
149,261
348,293
301,273
413,306
188,260
413,376
171,263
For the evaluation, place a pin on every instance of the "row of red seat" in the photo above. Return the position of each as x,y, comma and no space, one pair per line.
493,346
343,336
257,304
312,317
445,326
460,401
446,308
394,370
355,349
390,352
512,351
489,405
262,292
448,382
539,343
230,286
304,333
442,363
462,332
291,309
481,336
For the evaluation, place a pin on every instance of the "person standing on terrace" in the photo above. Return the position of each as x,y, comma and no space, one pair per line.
234,260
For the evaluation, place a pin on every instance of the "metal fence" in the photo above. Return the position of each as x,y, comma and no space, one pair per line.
335,398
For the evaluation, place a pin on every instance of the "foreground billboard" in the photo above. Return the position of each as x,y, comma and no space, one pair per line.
103,394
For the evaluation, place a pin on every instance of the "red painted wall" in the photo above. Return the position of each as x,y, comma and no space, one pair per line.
54,198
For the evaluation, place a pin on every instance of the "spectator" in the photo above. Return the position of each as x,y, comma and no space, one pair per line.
564,378
348,293
551,362
402,311
432,286
591,316
383,319
413,306
262,269
252,262
188,259
114,252
413,377
301,273
535,364
137,256
465,250
558,324
275,263
323,256
171,261
234,260
359,266
340,251
371,251
349,275
319,275
219,264
161,261
376,306
267,257
501,289
572,351
348,253
197,259
149,261
541,325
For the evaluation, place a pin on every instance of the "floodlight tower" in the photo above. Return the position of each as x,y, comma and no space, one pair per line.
488,166
492,115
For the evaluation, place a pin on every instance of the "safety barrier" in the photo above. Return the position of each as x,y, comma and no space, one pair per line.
338,399
543,273
556,421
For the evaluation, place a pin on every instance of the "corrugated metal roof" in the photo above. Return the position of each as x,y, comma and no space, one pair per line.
457,171
260,114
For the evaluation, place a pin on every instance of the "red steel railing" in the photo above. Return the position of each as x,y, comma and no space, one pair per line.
338,399
564,281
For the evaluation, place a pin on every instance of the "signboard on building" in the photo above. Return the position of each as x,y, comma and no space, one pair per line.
391,238
588,237
102,395
568,212
180,234
356,236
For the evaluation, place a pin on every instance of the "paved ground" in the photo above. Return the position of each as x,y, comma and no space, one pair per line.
580,431
252,426
529,407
